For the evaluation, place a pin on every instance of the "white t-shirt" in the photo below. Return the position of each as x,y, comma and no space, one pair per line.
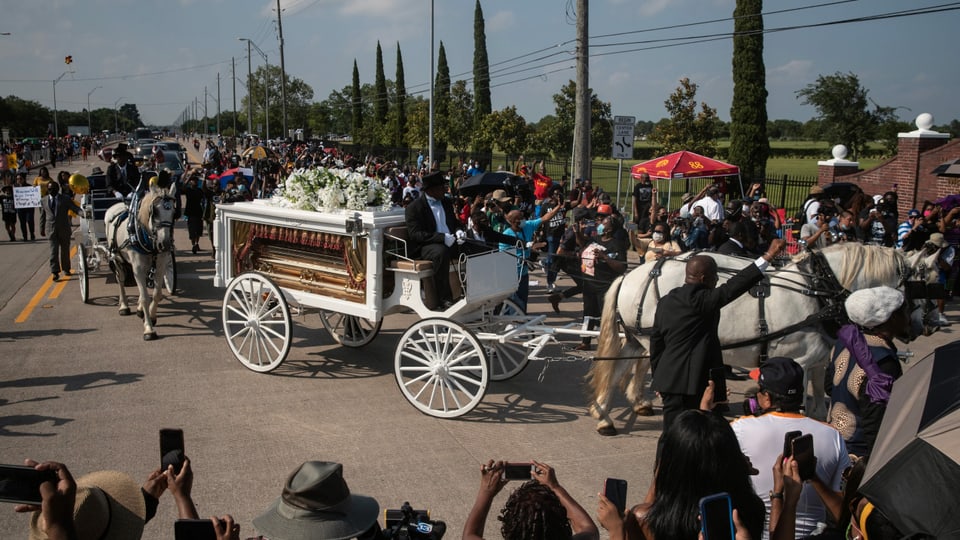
761,439
811,209
712,209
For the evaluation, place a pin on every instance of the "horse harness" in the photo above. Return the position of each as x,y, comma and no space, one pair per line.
822,284
141,241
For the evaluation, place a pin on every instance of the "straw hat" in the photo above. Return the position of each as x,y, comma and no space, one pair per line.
109,506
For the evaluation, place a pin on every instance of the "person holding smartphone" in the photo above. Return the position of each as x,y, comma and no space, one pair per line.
761,437
540,509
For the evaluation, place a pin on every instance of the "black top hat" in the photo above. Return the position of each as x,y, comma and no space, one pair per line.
433,179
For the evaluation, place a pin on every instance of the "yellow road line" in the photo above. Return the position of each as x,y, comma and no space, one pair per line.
60,286
38,296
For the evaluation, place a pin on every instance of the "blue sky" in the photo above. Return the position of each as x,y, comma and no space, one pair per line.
122,45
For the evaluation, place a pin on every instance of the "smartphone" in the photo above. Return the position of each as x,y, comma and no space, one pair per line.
788,438
803,453
716,517
615,490
171,449
194,529
21,484
719,378
517,471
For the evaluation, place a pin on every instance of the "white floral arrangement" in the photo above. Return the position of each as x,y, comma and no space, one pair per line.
325,190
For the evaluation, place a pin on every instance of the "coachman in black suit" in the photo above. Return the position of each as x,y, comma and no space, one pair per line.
122,175
56,209
430,240
684,344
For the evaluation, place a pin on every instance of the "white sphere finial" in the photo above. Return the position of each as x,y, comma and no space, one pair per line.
925,121
839,152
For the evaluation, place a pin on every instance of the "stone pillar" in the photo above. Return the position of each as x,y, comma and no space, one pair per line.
829,171
910,147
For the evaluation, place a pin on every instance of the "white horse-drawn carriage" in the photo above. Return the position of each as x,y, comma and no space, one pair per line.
354,269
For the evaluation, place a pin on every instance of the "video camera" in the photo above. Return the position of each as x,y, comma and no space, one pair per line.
409,523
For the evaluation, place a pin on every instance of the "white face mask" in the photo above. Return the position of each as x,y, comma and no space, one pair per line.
658,237
745,209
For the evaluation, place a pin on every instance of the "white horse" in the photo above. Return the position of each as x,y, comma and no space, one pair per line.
153,250
801,296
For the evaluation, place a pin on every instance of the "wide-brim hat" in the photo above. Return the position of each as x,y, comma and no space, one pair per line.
96,171
109,506
938,240
121,149
816,190
686,197
317,504
501,195
433,179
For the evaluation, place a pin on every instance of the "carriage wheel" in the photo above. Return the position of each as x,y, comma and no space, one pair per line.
256,322
441,368
349,330
170,274
507,359
83,273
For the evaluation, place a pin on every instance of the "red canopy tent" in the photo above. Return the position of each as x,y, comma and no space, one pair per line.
683,164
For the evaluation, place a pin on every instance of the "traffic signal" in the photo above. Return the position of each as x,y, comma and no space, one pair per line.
68,60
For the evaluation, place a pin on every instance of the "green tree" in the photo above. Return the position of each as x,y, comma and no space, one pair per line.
481,75
441,106
299,95
460,119
506,130
357,104
399,124
26,118
686,129
381,103
418,122
749,147
558,135
844,109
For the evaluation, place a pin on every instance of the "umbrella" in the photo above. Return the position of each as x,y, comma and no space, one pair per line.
256,152
483,183
683,165
915,465
231,174
950,168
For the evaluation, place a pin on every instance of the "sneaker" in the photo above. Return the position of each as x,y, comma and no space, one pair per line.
551,287
941,320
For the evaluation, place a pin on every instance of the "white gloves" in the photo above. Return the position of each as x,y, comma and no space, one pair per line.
461,237
118,195
529,245
448,239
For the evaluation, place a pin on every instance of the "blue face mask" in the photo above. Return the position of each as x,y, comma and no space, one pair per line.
600,228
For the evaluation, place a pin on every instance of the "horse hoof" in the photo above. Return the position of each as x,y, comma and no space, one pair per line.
124,312
140,314
643,410
150,337
153,321
607,431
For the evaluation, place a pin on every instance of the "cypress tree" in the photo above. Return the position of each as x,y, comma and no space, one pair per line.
749,146
441,106
481,74
380,104
401,127
357,103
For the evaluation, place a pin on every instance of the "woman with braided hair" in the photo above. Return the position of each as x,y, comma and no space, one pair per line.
540,509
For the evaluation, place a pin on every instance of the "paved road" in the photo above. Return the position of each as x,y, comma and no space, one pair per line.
80,386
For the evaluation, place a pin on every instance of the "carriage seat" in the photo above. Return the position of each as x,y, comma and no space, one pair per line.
400,261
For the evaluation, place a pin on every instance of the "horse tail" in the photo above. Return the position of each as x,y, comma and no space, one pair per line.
602,373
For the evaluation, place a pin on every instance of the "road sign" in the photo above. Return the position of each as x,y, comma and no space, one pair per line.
623,136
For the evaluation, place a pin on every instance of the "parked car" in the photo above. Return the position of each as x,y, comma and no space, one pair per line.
170,161
174,146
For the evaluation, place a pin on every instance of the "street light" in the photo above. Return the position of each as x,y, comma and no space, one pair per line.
116,123
266,82
56,134
89,124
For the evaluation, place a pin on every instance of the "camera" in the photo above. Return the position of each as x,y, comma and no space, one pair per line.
409,523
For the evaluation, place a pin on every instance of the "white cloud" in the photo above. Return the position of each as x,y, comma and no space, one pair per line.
792,71
618,78
652,7
500,21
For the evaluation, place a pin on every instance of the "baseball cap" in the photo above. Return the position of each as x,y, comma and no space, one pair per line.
604,210
780,375
913,213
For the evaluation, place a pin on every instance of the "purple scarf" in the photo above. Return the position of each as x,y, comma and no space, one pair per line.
878,383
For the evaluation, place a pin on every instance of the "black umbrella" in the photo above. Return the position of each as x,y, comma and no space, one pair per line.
914,469
483,183
950,168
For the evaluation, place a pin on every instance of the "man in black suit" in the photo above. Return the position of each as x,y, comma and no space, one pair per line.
433,231
122,175
56,207
742,241
684,344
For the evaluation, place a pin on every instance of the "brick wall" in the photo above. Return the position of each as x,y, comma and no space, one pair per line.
909,171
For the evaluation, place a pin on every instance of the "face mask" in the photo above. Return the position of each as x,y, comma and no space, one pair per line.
658,237
745,209
600,228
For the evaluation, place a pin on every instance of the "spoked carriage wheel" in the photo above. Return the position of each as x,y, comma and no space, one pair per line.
349,330
507,359
256,322
170,275
441,368
83,273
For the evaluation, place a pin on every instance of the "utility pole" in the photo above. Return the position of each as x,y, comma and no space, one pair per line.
89,124
581,132
218,103
206,118
249,94
283,75
233,79
432,77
